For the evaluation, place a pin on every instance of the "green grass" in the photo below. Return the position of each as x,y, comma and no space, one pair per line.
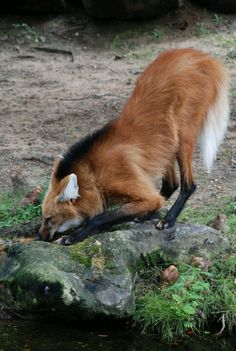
128,40
84,251
203,30
192,304
224,40
124,41
198,298
208,213
217,19
28,32
232,93
172,310
11,213
158,33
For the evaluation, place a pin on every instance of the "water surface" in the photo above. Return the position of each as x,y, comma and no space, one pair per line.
45,336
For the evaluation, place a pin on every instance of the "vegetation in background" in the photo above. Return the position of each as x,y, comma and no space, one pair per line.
206,214
191,304
29,32
11,211
158,33
200,297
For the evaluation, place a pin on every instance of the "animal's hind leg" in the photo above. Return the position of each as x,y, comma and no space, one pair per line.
188,186
169,182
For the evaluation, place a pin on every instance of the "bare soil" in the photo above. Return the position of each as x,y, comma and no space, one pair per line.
50,99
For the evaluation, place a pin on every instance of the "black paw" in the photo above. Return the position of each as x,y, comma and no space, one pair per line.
64,240
164,224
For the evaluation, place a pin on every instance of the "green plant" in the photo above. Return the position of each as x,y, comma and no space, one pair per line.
208,213
174,309
124,41
226,40
203,29
85,251
233,93
217,20
196,300
29,33
12,213
158,34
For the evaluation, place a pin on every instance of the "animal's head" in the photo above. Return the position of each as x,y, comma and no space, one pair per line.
59,208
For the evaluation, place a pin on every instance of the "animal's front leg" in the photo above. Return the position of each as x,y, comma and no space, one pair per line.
95,225
102,221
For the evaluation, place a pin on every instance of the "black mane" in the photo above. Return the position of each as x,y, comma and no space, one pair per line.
78,150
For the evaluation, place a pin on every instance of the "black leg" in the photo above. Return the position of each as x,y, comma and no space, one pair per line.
168,187
184,158
170,218
96,224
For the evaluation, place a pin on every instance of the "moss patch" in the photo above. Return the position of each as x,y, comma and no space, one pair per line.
88,253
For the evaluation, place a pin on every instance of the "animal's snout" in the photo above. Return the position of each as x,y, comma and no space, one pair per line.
43,234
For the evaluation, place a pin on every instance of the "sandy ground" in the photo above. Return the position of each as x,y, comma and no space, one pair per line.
50,99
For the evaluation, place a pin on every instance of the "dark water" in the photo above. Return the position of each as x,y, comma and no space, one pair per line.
39,336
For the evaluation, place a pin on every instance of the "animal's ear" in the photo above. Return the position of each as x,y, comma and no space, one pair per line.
71,190
55,168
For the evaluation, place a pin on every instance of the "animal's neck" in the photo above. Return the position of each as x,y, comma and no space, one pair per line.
91,201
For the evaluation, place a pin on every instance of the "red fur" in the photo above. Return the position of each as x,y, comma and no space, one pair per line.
159,124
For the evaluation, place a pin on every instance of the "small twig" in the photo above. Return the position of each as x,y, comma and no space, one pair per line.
223,325
56,51
25,57
63,29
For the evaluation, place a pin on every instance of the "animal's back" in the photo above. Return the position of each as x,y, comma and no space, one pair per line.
165,114
171,101
176,78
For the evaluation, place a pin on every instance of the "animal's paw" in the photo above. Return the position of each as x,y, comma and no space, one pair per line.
161,225
164,224
64,240
60,241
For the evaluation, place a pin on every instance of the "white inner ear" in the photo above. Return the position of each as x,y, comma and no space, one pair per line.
71,191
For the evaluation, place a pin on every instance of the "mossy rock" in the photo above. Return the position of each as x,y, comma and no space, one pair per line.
96,277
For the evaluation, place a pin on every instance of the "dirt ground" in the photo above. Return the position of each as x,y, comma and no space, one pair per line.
49,99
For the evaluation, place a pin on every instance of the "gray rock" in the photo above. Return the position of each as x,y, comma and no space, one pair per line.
95,277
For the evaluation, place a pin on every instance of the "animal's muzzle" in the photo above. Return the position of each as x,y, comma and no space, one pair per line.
38,237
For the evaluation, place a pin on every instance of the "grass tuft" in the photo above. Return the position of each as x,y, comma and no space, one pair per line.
205,215
172,310
11,213
197,300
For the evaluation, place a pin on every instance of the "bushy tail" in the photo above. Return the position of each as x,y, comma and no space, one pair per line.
215,126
